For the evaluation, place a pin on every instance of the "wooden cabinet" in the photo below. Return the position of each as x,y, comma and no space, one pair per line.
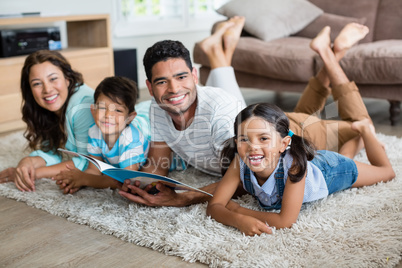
89,51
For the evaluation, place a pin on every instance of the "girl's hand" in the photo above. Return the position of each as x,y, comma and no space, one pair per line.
70,180
252,226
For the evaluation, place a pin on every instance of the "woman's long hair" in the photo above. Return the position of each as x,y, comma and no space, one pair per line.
300,149
45,130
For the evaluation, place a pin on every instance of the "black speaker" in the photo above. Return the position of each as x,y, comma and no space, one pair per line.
125,63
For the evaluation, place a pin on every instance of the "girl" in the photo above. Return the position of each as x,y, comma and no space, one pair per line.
283,171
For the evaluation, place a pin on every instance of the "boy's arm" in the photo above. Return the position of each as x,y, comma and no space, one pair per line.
92,177
72,178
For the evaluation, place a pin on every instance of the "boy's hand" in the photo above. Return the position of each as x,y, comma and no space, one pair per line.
70,180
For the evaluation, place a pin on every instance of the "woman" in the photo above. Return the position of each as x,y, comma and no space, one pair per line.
56,109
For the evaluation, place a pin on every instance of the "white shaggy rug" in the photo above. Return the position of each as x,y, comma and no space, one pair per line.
355,228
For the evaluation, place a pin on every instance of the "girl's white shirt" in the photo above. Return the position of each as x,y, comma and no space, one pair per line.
315,186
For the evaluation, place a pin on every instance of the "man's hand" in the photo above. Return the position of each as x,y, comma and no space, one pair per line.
165,197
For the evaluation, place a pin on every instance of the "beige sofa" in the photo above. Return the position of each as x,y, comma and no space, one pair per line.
286,64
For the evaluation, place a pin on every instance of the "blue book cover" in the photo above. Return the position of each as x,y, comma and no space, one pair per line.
144,178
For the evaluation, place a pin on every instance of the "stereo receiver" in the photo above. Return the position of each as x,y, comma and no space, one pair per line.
25,41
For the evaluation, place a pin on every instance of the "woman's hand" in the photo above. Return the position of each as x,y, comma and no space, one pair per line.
8,175
252,226
25,175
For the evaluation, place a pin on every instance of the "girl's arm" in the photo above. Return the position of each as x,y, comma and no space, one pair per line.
291,205
217,206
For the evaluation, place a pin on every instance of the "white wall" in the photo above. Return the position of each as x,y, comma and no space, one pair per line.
76,7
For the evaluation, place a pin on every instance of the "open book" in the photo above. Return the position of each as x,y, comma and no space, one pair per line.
144,178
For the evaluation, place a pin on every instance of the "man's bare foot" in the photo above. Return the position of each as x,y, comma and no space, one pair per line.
349,36
322,41
232,36
213,46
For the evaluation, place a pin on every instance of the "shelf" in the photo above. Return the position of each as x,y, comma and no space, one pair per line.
39,19
89,52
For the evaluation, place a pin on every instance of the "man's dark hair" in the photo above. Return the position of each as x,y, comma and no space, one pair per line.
162,51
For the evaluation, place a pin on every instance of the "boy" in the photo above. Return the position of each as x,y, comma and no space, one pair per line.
113,138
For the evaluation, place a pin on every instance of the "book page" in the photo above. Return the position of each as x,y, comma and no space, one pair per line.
148,178
99,164
121,174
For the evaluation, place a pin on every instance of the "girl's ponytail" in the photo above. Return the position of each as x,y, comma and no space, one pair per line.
302,151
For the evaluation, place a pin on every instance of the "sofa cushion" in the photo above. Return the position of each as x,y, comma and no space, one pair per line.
269,20
288,58
336,22
378,63
389,22
356,9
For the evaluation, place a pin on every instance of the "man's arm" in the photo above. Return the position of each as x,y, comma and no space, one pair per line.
159,160
166,196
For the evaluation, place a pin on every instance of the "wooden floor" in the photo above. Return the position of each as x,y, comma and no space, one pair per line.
34,238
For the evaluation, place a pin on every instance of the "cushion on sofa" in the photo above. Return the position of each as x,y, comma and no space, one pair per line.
336,22
378,63
272,19
388,19
288,58
355,9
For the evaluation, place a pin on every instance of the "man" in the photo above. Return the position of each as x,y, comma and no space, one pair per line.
181,106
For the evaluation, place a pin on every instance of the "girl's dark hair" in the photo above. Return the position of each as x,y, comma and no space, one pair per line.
119,89
45,130
162,51
300,149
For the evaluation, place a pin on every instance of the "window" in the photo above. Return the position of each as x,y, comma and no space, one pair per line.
143,17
